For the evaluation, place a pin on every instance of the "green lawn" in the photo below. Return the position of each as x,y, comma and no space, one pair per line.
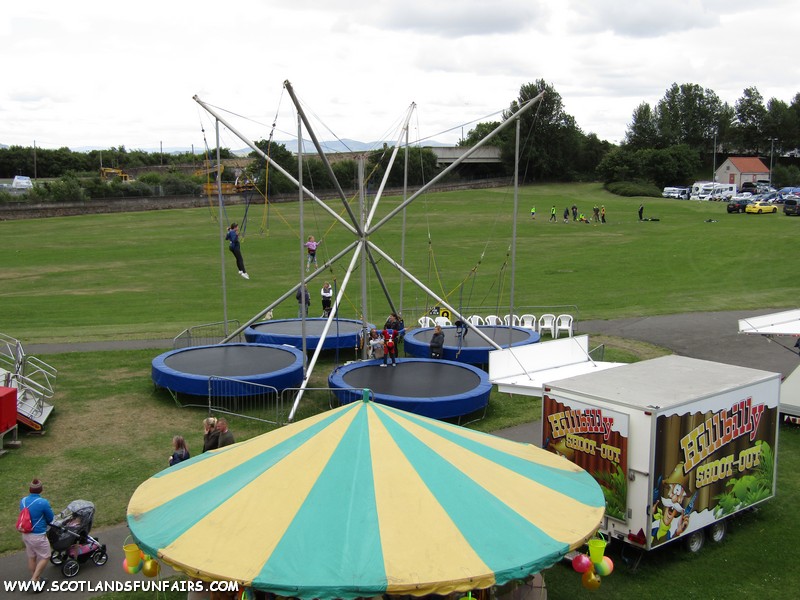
150,275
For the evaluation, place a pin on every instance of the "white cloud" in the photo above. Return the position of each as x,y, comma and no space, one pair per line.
95,75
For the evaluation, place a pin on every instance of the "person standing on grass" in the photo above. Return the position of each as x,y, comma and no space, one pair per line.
566,214
641,211
303,301
533,213
37,546
603,214
180,451
225,436
553,213
235,247
210,434
327,296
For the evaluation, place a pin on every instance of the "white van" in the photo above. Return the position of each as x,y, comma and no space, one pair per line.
680,193
21,182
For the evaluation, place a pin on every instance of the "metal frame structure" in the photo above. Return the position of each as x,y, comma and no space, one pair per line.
362,227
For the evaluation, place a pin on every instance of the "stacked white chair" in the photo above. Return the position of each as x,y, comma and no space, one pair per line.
493,320
547,324
512,320
528,321
564,323
426,322
443,322
475,320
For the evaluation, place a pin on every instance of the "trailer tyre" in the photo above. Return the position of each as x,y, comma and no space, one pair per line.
694,541
716,531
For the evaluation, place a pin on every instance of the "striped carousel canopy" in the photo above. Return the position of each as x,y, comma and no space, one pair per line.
367,500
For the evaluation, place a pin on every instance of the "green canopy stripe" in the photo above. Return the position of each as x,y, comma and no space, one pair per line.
335,530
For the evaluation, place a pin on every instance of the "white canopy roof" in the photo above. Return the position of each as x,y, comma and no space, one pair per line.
525,369
782,323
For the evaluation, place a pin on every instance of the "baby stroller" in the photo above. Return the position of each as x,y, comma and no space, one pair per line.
70,540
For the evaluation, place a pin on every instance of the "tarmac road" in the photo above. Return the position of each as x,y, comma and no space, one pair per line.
710,336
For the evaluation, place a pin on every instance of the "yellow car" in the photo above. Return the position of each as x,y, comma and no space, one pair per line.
760,207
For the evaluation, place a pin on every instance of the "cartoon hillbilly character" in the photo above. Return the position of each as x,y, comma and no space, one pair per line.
670,510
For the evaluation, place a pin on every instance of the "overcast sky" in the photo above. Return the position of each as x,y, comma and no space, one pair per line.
102,74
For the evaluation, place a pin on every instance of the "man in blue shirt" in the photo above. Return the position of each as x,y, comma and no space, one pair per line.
37,546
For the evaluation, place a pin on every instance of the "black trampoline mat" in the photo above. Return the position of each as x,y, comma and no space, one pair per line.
230,361
498,334
414,379
314,327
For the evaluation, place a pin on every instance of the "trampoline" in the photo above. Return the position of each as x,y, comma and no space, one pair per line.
440,389
344,333
474,349
188,370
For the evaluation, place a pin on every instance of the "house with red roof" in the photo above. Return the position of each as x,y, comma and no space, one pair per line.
741,169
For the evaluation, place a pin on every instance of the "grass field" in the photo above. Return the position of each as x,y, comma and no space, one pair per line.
150,275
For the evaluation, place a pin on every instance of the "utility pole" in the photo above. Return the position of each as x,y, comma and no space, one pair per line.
772,141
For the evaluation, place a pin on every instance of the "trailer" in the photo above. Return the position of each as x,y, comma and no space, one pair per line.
677,444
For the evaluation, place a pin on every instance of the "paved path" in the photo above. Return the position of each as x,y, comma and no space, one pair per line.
710,336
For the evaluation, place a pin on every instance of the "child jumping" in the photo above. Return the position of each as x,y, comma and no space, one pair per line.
311,246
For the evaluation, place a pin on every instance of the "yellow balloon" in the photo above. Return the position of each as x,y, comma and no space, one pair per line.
151,568
590,580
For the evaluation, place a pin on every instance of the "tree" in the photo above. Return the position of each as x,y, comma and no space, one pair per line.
550,137
277,182
688,114
643,130
480,131
750,114
421,166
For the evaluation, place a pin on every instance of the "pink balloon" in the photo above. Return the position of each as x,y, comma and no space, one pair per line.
581,563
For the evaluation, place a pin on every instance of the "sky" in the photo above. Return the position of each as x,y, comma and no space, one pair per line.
93,74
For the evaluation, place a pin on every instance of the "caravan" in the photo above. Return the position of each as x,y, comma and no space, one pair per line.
709,190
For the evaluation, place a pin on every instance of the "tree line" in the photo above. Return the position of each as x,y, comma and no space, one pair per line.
668,143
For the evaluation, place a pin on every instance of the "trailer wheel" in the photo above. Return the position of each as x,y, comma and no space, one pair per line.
716,531
694,541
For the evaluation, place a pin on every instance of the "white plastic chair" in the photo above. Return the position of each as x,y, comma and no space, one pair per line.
564,323
475,320
426,322
547,323
512,320
493,320
528,320
443,322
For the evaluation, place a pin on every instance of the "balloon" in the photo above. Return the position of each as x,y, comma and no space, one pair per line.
581,563
131,570
604,567
151,568
590,580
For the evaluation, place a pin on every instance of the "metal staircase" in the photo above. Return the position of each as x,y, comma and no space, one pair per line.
33,379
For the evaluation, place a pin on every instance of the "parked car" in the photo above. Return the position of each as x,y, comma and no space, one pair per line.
738,206
791,206
760,206
770,197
